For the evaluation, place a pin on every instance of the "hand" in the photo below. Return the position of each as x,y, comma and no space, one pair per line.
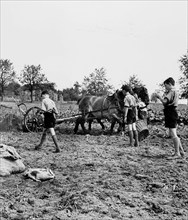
157,96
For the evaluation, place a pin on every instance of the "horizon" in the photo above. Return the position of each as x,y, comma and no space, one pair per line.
70,39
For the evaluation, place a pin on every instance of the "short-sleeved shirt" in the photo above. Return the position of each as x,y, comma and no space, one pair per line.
48,104
172,96
130,101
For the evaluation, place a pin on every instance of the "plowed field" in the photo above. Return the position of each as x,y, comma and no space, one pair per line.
97,176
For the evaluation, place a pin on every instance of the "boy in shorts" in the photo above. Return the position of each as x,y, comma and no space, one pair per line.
170,103
130,104
50,112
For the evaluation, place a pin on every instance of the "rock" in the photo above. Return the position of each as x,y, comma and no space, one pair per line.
140,176
156,185
63,214
179,212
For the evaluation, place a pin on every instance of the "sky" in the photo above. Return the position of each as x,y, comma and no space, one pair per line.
70,39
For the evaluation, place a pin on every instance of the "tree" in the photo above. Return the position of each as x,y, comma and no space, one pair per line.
14,87
184,79
77,88
134,81
73,93
69,94
7,74
97,83
50,86
32,77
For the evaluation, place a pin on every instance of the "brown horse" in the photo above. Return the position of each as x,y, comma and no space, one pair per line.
99,107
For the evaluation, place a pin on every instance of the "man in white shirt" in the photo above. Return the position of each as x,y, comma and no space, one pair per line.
50,111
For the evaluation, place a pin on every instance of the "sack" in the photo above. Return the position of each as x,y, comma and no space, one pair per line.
10,161
39,174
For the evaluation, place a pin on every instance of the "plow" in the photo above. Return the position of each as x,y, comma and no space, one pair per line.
33,117
34,121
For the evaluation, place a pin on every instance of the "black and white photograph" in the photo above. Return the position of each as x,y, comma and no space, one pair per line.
93,110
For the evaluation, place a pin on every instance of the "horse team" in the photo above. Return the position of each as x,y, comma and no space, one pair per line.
106,107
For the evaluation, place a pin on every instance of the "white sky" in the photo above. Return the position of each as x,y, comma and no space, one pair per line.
69,39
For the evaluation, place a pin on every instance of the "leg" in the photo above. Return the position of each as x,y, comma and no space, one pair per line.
54,138
82,122
176,142
121,127
130,132
42,140
89,122
112,125
182,152
121,123
76,125
135,133
178,150
100,122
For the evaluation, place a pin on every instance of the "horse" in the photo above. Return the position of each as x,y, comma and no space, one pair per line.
141,93
99,107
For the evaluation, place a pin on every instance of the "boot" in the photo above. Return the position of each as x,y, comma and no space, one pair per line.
136,144
56,144
43,139
131,138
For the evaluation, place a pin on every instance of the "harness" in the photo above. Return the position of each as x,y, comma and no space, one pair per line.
104,108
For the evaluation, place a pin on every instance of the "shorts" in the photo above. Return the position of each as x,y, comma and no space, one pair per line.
49,120
171,117
131,116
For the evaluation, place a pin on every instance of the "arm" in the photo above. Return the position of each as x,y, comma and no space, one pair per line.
43,105
164,101
55,110
136,113
125,115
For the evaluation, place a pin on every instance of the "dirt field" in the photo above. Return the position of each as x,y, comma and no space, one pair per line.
97,176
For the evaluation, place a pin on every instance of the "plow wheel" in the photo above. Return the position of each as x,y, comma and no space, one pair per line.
33,119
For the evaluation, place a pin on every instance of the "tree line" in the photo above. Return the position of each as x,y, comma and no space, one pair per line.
32,80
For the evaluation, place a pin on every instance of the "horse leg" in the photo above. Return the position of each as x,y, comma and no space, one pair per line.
82,125
121,125
113,122
100,122
78,121
89,124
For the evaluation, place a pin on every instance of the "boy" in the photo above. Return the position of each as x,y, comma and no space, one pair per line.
50,112
130,114
142,110
170,103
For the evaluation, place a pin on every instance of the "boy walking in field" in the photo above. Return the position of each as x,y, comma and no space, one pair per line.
50,112
170,103
130,104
